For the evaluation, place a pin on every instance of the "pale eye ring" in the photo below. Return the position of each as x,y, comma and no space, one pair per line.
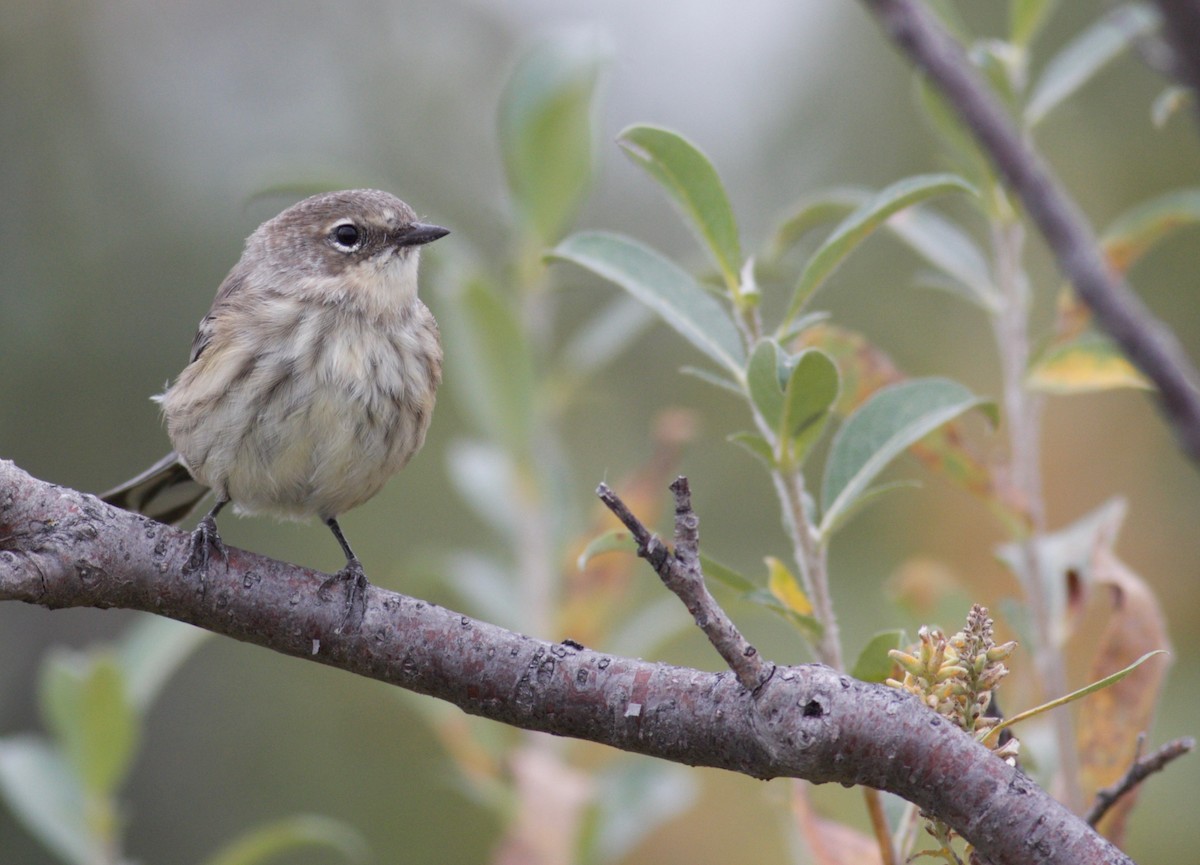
346,236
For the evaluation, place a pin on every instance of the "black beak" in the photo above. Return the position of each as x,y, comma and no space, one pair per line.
420,233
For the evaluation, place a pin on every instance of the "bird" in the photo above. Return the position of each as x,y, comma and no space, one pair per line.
311,381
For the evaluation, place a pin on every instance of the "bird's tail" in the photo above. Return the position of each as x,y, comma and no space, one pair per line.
166,491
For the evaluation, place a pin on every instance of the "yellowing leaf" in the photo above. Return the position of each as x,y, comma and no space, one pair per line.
1085,364
784,586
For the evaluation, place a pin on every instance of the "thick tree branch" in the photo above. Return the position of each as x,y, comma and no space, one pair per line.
62,548
1149,344
681,573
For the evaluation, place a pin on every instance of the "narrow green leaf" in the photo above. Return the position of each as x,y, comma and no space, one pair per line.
1132,234
762,381
84,701
808,626
756,446
874,664
607,542
894,418
718,381
812,389
660,284
151,651
604,336
293,833
688,175
1086,55
967,157
948,248
1026,17
813,211
714,570
1071,697
859,225
44,794
545,130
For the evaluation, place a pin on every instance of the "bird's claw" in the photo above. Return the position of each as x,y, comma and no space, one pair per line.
354,579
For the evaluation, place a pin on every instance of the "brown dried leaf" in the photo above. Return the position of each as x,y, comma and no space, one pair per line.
830,842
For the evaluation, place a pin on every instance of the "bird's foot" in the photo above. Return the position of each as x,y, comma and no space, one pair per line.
205,541
354,580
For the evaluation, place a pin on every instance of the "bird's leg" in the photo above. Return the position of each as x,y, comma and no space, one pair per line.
353,577
206,541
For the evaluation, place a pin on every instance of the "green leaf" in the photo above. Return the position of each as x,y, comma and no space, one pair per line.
607,542
859,225
492,366
782,583
45,796
762,380
812,389
293,833
948,248
545,129
1168,103
813,211
1071,697
894,418
1086,55
1088,363
688,175
660,284
151,651
85,703
948,127
756,446
606,335
809,626
874,664
714,570
1132,234
718,381
1026,17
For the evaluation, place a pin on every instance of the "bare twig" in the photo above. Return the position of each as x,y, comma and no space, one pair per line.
1149,344
1141,769
681,573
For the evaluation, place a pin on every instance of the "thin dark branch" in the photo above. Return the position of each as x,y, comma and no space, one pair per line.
1142,768
681,573
1148,343
62,548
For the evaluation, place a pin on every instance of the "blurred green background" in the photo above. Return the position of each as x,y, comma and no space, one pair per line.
137,139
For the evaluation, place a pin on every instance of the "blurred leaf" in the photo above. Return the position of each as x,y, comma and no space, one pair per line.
756,446
606,335
894,418
874,664
863,367
1066,558
948,248
859,225
494,374
830,842
610,541
718,381
688,175
43,793
1086,55
545,129
1026,17
487,588
660,284
714,570
84,701
273,840
1134,232
484,476
1003,67
634,798
948,126
808,626
763,381
812,389
1110,723
151,651
782,583
1168,103
1087,363
811,211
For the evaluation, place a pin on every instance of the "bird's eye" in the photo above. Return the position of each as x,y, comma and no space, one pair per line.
347,236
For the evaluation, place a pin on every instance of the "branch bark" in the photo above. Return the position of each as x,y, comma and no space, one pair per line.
63,548
1147,342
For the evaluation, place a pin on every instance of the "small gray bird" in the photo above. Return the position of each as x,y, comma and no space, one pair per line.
312,379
